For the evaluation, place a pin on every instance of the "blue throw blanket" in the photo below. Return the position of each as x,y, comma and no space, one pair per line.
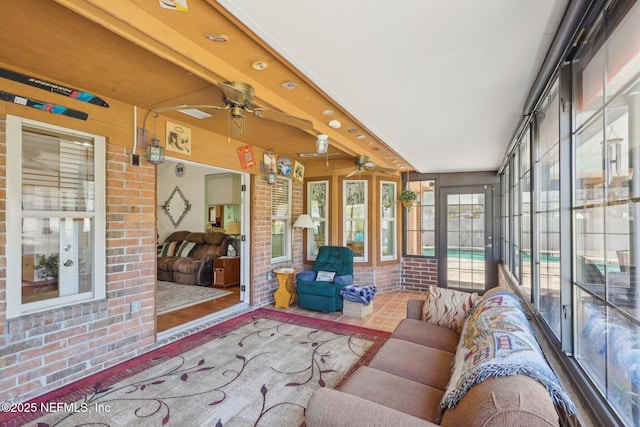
358,293
497,341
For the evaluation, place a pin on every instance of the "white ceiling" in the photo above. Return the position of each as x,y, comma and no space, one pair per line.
442,82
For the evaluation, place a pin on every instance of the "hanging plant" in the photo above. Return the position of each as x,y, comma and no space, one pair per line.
408,198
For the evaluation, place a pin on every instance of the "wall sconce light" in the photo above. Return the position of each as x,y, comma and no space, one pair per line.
155,152
271,177
322,143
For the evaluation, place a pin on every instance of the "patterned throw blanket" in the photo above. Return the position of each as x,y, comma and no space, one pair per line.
496,341
358,293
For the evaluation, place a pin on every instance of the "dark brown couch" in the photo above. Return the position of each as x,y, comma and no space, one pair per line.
197,267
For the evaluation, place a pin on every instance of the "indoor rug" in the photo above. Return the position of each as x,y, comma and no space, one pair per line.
258,369
173,296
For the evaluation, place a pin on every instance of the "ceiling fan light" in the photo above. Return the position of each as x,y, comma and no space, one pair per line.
322,143
155,152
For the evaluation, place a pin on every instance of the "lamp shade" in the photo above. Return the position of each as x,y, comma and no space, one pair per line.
234,228
304,221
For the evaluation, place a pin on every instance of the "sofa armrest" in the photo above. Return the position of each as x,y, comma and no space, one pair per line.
328,407
414,309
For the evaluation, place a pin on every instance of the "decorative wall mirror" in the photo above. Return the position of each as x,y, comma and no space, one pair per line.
176,206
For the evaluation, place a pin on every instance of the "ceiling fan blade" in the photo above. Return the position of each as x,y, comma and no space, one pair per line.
337,169
353,172
284,118
236,92
187,107
317,154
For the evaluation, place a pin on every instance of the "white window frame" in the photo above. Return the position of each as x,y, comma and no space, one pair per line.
393,221
310,232
15,214
287,226
365,219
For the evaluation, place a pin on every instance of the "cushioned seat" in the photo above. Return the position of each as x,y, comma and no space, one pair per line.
322,295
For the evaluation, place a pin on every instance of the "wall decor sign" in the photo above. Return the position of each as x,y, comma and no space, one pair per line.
247,159
298,171
178,138
284,166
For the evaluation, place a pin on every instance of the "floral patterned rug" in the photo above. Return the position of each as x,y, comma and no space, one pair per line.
258,369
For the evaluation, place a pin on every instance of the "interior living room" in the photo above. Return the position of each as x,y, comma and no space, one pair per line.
189,187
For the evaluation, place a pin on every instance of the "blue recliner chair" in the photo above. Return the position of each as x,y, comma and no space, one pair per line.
324,295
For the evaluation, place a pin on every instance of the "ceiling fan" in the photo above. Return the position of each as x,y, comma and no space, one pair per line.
238,98
363,164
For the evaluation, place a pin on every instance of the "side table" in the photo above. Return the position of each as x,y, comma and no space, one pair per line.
286,292
226,271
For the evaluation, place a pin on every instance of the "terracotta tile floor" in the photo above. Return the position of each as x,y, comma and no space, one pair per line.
389,308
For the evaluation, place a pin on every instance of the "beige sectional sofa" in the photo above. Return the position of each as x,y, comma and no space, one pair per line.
406,381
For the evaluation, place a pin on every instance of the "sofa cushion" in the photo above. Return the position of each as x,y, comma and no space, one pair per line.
168,249
195,237
394,392
504,402
214,238
326,289
414,362
176,236
166,262
186,265
185,248
427,334
447,307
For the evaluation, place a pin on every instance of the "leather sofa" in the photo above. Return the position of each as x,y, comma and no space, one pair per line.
196,266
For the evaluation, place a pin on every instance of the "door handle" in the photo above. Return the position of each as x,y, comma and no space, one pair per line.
489,245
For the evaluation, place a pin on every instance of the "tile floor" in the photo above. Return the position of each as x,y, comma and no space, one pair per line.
389,308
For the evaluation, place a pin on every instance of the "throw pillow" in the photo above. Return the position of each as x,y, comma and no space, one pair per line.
347,279
168,249
325,276
447,307
306,276
185,248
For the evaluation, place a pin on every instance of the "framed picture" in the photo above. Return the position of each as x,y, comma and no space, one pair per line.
269,162
178,138
247,159
284,166
298,171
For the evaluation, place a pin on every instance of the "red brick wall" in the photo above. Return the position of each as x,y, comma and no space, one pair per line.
43,351
385,278
419,273
262,289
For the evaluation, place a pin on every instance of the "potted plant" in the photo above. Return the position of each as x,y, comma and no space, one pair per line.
47,266
407,198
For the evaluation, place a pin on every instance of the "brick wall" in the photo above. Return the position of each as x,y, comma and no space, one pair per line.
262,289
43,351
385,277
419,273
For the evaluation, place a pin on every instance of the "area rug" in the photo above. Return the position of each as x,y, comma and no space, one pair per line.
173,296
258,369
